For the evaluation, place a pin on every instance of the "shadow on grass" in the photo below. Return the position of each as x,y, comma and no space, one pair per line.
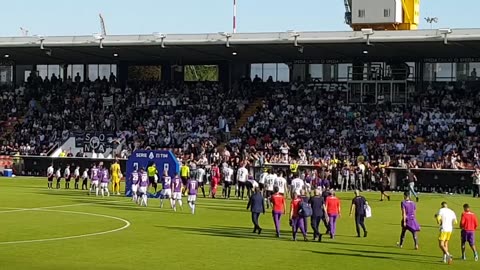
388,252
368,254
230,232
421,226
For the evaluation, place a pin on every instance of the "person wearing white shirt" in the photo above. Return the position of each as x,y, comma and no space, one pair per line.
297,185
76,174
228,175
446,218
58,175
85,179
261,181
281,183
50,174
242,177
67,176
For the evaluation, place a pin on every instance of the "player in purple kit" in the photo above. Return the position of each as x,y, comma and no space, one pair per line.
104,182
409,220
177,192
166,189
192,187
95,176
143,185
135,178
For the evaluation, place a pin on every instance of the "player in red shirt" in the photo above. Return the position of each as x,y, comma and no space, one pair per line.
468,224
333,211
296,221
215,180
278,208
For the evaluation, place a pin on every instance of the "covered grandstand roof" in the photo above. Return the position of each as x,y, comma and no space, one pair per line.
251,47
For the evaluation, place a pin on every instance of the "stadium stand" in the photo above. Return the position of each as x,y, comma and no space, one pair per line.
438,130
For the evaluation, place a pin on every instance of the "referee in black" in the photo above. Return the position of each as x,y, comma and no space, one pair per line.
358,205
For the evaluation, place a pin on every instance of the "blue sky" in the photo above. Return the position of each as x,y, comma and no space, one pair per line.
61,17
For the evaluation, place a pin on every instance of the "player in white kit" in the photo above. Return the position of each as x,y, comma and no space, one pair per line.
261,181
76,174
228,177
50,174
281,183
67,176
200,175
242,177
297,185
269,184
58,175
85,179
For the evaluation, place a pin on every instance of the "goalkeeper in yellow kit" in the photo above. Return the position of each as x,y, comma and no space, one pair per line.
116,175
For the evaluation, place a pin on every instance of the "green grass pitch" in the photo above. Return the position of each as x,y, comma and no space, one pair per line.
113,233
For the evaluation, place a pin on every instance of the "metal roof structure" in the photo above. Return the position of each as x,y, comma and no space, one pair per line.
249,47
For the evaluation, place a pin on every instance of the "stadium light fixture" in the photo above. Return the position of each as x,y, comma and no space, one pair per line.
115,55
367,32
160,36
40,39
445,32
295,36
234,53
6,56
100,38
365,52
227,36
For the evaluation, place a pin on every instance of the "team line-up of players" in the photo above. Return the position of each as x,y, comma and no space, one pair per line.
270,188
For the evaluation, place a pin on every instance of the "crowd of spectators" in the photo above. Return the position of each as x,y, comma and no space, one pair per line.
296,122
187,117
439,129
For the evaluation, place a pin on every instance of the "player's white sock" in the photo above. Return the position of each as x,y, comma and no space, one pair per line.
108,192
96,191
103,192
181,204
172,203
161,203
145,199
193,207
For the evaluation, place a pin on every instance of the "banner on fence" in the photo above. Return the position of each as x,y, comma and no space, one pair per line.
94,141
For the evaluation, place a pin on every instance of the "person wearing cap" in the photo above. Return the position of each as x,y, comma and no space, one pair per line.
446,218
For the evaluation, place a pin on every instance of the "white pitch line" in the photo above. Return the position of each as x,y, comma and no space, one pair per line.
127,224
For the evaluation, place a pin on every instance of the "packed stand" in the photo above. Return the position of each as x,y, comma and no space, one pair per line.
187,117
298,122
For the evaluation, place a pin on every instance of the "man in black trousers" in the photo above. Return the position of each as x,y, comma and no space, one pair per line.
318,213
358,204
256,206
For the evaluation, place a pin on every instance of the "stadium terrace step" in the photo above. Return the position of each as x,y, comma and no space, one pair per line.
250,111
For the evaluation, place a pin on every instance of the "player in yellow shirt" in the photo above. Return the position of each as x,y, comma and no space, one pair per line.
185,175
115,172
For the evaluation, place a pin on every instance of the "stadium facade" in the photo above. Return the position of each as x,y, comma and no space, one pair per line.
381,63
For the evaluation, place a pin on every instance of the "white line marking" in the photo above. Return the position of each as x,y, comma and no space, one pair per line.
47,209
